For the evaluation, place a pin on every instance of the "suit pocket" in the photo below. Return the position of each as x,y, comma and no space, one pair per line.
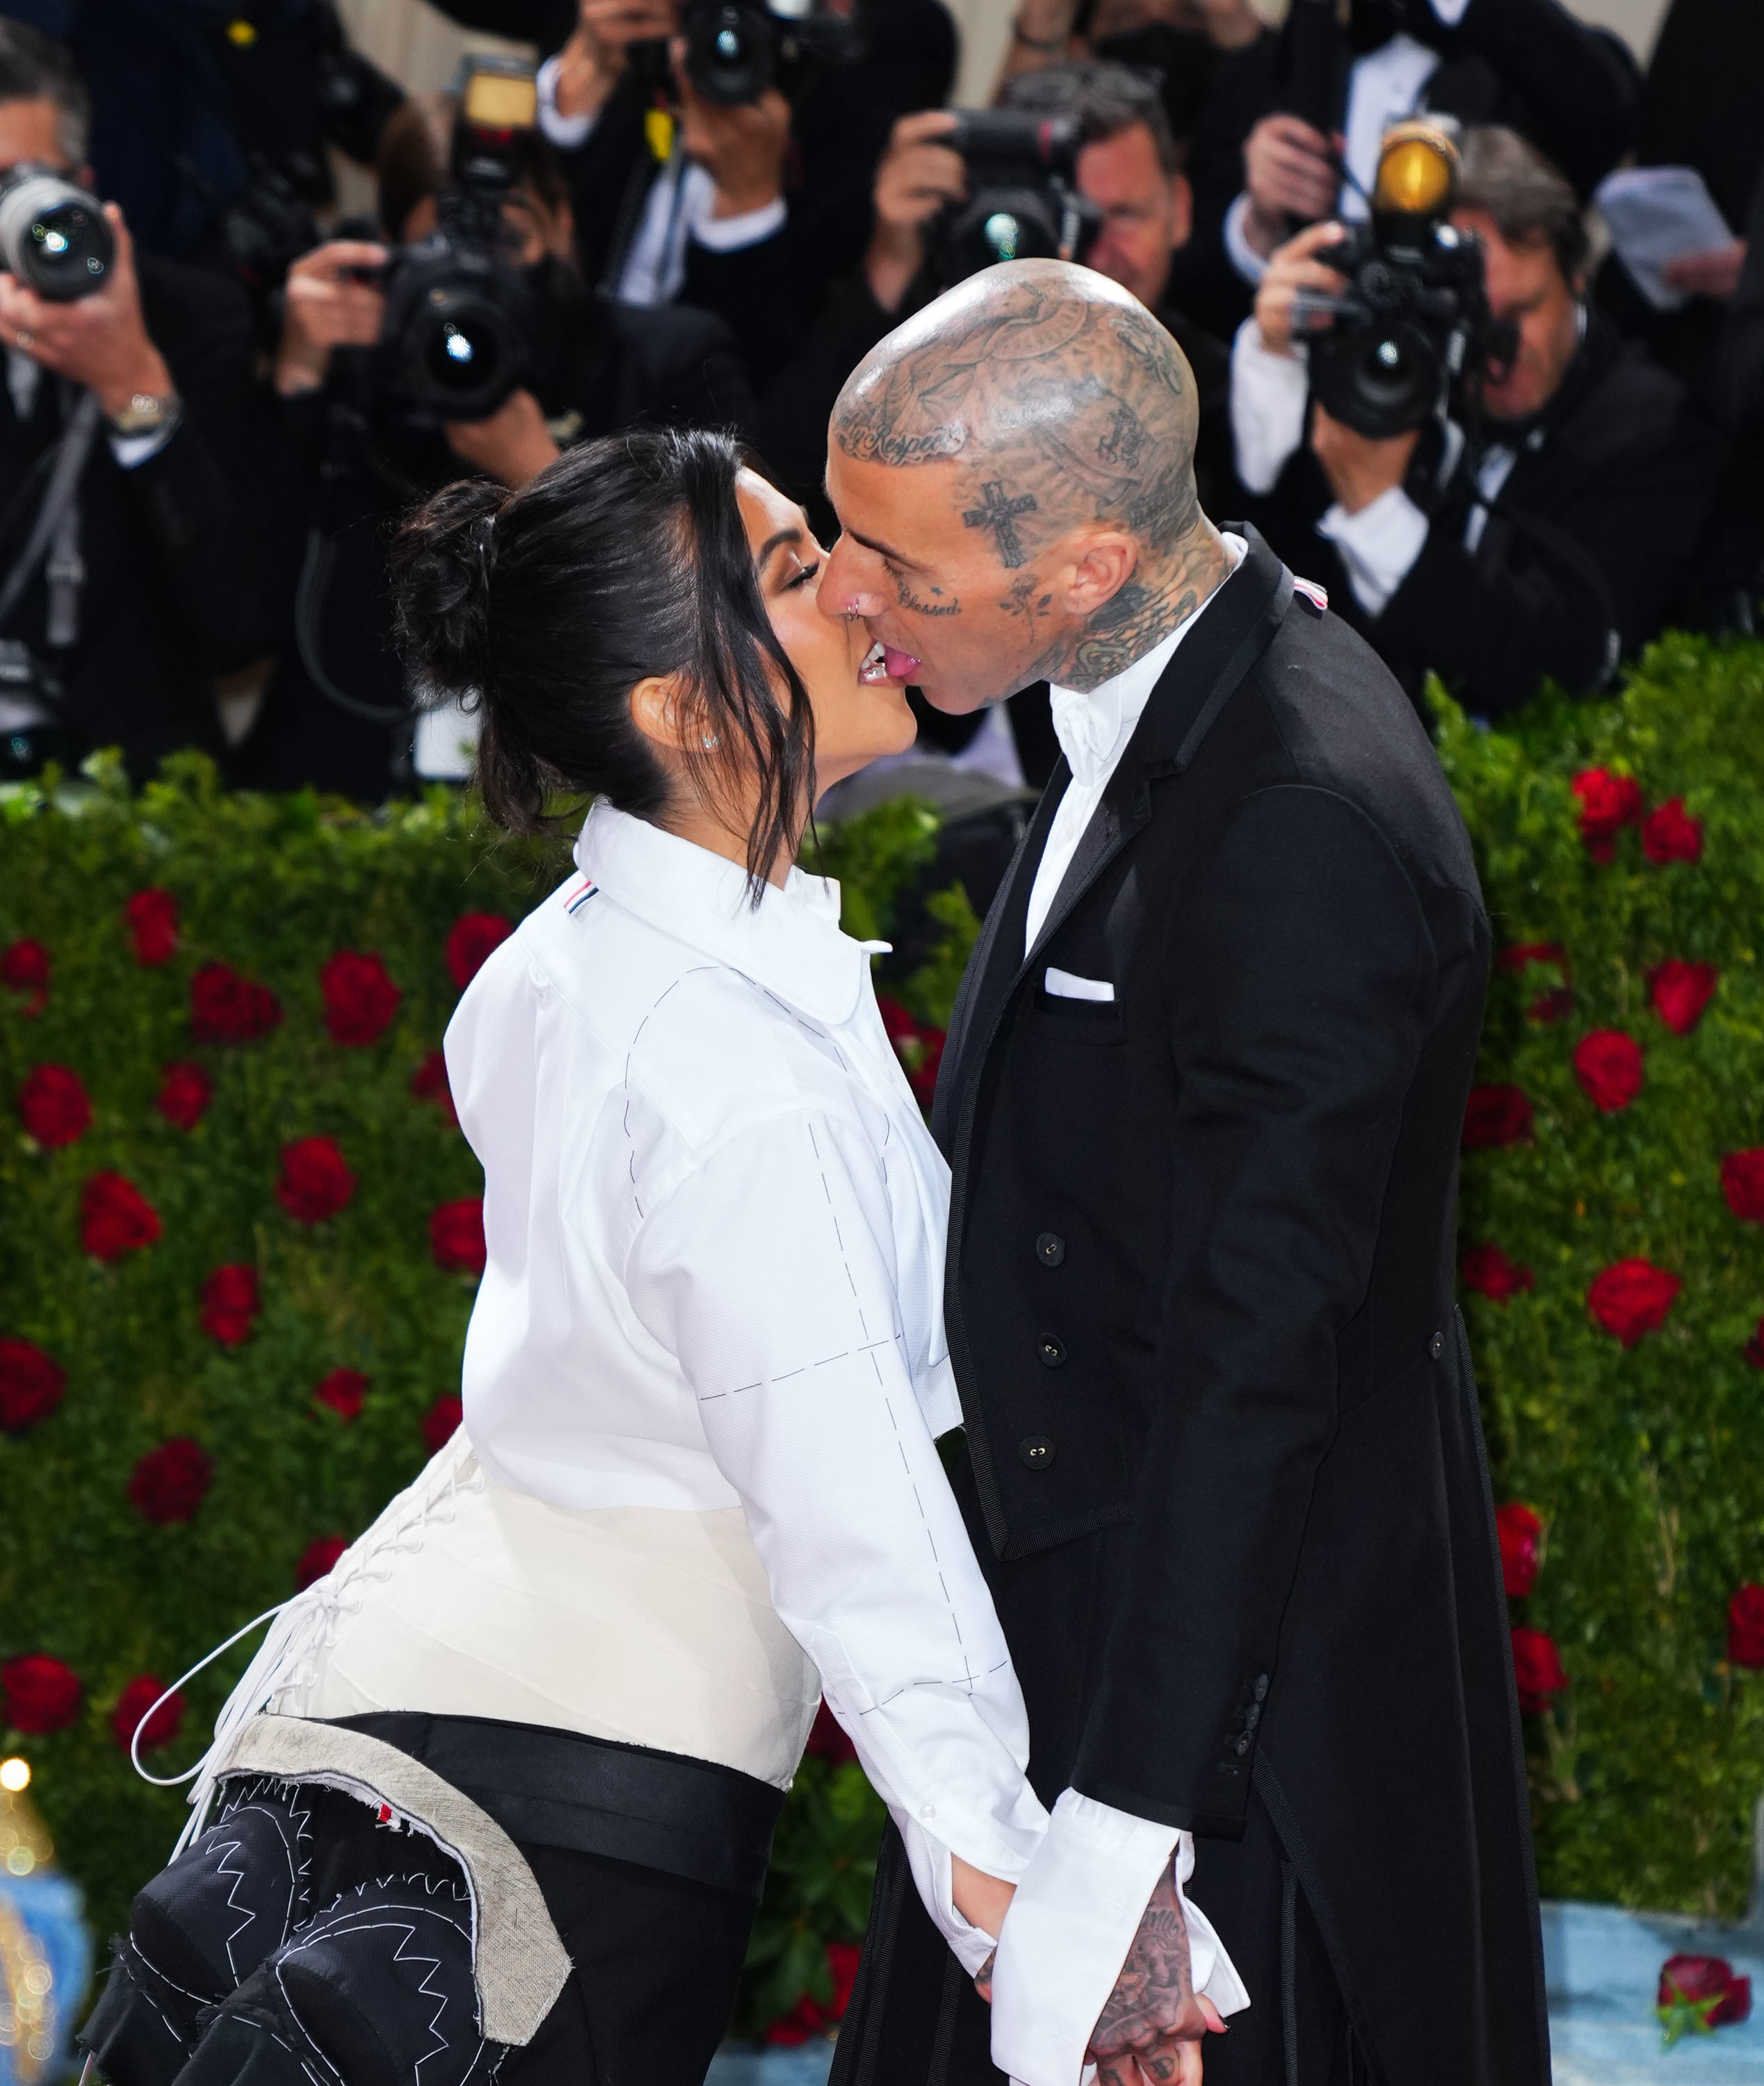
1095,1022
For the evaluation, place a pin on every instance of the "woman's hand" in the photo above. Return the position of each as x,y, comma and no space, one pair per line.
983,1900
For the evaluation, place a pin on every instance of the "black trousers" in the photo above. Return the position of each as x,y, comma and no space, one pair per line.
914,2019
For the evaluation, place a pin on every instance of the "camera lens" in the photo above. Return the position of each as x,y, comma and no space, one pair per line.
55,237
730,55
1381,380
465,357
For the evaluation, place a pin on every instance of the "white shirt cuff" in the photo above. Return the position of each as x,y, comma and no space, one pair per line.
1069,1929
1377,544
1251,265
131,451
1267,405
1450,12
934,1877
568,133
729,235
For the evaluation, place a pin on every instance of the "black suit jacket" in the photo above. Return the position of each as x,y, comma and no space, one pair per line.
1619,462
1225,1469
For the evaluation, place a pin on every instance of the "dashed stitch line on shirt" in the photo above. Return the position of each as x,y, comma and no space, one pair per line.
630,1052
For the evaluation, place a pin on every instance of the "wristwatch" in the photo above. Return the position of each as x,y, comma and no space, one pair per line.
146,413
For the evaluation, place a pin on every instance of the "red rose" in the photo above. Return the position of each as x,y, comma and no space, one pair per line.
230,1304
1495,1116
442,1422
1520,1532
227,1008
316,1560
1671,834
24,967
918,1046
1487,1269
115,1217
1537,1668
456,1236
133,1705
1609,1065
470,939
38,1694
428,1083
186,1090
1699,1993
1742,1182
1681,991
316,1181
1745,1626
360,1000
1520,953
55,1106
808,2017
827,1739
1550,1007
342,1390
168,1483
30,1384
1753,1349
152,918
1631,1298
1608,803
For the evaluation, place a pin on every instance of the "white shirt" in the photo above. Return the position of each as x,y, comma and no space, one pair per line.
676,212
1093,730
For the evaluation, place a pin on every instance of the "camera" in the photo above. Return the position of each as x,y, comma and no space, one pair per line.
53,235
458,316
1023,202
1413,325
736,49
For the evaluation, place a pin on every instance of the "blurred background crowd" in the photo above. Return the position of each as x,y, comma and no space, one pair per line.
317,292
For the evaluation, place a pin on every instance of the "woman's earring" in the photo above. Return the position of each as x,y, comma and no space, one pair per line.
711,742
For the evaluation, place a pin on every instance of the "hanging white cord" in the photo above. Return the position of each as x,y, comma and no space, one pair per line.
306,1623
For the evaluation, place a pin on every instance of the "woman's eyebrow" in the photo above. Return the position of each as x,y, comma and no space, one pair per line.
773,543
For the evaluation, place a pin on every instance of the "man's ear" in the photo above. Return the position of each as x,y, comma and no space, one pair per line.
1101,565
1182,210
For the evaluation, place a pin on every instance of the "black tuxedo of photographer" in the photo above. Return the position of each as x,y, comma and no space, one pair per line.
1559,538
792,179
351,458
1527,64
161,589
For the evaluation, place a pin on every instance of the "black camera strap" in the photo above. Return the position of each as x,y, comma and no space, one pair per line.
55,534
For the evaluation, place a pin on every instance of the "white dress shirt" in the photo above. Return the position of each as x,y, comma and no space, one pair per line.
677,212
1080,1902
715,1229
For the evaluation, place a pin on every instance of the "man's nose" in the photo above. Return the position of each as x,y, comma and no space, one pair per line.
843,591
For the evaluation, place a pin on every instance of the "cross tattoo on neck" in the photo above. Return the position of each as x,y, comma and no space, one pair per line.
997,512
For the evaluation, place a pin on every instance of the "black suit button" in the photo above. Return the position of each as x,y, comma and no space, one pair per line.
1252,1715
1049,1249
1436,1346
1036,1451
1261,1687
1051,1349
1243,1746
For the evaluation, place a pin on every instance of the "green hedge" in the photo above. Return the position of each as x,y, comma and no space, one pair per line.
1644,1465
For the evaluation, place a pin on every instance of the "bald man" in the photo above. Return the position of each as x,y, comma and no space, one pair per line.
1202,1097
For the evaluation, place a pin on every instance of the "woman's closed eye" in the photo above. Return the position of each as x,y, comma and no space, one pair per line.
802,576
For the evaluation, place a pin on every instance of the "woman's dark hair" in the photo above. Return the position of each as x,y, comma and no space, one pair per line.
543,609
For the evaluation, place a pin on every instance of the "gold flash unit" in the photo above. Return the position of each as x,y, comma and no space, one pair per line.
1417,170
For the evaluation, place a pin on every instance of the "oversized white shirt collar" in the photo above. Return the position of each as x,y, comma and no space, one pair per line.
790,944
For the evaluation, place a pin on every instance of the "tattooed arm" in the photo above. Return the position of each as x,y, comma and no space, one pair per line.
1153,2023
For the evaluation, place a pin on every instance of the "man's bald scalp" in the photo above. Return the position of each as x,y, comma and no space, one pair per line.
1060,397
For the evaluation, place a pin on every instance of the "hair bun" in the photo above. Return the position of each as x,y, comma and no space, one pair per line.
443,571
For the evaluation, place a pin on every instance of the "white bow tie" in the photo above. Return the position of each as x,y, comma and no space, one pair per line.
1088,727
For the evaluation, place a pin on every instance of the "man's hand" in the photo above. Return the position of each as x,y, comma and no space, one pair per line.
100,341
512,445
1714,274
325,306
1294,272
1359,468
1148,2033
1290,171
741,147
915,177
593,61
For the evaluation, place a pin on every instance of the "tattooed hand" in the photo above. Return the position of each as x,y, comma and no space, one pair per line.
1150,2028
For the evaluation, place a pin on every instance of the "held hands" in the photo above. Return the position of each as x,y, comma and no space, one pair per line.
1149,2032
1294,272
1289,171
100,341
591,64
916,176
742,147
512,445
327,307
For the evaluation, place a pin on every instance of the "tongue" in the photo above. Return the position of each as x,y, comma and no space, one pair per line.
902,665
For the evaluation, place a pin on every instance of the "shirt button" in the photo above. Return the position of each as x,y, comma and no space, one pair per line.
1036,1451
1049,1249
1051,1350
1436,1346
927,1811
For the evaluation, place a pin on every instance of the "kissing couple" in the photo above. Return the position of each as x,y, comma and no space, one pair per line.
1189,1691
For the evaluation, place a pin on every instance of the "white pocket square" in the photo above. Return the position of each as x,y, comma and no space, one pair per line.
1064,985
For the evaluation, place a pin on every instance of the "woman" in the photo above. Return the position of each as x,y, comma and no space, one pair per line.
512,1800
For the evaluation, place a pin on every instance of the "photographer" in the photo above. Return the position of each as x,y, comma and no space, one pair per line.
357,447
1541,529
129,567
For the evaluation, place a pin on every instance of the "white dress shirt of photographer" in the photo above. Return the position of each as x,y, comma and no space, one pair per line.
1378,529
688,202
